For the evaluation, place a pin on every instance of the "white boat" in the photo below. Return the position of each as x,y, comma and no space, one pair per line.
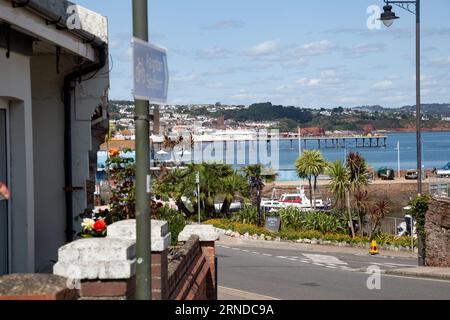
444,172
234,206
295,200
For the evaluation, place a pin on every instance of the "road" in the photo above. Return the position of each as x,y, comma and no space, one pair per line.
298,274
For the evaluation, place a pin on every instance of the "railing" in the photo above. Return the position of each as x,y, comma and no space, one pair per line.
388,225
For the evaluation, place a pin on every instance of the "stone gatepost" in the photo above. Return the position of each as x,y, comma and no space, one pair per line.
437,233
208,236
105,268
99,267
161,239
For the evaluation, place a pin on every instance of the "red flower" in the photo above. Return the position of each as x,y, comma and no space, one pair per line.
100,225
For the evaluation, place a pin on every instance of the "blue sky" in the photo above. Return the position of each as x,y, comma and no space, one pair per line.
291,52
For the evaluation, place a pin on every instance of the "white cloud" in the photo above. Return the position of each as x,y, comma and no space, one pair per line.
313,82
212,53
183,78
225,24
441,61
264,48
315,48
385,84
364,49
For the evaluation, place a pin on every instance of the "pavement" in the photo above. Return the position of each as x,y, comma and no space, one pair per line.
226,240
422,272
250,270
234,294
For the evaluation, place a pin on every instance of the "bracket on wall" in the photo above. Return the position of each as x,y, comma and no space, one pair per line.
55,23
73,189
8,40
85,41
16,4
58,58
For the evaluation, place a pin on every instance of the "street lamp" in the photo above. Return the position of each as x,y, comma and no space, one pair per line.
388,18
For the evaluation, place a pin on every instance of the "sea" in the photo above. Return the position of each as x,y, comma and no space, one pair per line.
435,151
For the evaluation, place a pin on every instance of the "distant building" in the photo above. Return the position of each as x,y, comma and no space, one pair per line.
312,131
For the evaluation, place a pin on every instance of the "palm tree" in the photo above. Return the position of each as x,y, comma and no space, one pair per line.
361,200
233,186
377,213
253,174
358,171
339,182
339,186
210,182
359,179
310,165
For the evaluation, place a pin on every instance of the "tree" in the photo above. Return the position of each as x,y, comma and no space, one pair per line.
339,182
310,165
253,174
358,179
377,212
339,186
419,208
233,186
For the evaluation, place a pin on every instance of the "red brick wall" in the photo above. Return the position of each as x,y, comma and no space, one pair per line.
192,274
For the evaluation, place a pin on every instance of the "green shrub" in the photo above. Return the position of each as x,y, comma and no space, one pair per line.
293,218
175,220
291,234
247,215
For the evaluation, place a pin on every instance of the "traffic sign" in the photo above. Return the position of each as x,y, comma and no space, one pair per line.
151,76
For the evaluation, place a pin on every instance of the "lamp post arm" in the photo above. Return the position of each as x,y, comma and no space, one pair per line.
406,5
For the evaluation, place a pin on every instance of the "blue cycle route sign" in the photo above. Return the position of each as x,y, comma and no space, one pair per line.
151,76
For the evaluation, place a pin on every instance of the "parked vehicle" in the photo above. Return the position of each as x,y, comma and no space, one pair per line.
386,173
234,206
404,228
412,175
297,200
444,172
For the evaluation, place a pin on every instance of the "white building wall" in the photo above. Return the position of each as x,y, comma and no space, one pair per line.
86,97
48,138
15,86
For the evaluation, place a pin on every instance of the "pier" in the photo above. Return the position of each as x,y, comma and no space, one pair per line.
308,142
357,141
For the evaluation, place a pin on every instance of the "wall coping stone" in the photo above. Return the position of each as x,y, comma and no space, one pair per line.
97,258
126,229
206,233
35,285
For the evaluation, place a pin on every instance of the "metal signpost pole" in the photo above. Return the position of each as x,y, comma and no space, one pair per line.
197,180
143,227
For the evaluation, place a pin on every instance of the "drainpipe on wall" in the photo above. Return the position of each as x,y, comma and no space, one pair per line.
68,87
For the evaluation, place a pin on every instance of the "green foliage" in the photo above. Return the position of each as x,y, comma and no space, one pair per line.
358,172
310,164
295,219
247,215
268,112
388,239
419,207
218,182
340,181
122,175
293,235
175,220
